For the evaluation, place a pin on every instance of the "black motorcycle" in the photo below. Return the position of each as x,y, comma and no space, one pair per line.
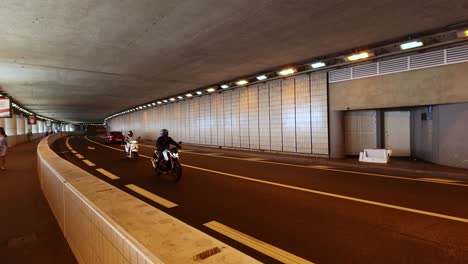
171,167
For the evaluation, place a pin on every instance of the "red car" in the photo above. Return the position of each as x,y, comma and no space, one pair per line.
115,137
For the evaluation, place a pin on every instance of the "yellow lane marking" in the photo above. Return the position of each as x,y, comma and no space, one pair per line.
459,219
108,174
448,217
73,151
323,167
254,159
151,196
79,156
267,249
91,147
89,163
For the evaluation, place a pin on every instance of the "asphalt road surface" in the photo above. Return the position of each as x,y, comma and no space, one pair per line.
294,213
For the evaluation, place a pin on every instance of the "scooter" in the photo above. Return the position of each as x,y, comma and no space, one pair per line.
171,166
131,149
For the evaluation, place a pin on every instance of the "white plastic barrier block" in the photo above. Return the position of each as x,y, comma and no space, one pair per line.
375,155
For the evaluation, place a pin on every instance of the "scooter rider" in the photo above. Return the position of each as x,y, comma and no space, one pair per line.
128,138
163,143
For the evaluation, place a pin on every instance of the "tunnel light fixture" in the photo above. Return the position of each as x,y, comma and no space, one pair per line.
148,105
199,92
172,99
287,71
317,65
159,102
261,77
189,95
140,107
463,33
358,56
180,97
153,103
224,86
210,90
411,45
165,101
242,82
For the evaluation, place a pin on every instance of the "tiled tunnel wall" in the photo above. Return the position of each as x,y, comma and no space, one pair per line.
288,115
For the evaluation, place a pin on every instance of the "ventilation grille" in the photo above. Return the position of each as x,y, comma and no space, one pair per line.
395,65
340,75
418,61
457,54
429,59
365,70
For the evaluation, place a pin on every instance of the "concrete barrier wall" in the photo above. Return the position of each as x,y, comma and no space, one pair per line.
19,139
103,224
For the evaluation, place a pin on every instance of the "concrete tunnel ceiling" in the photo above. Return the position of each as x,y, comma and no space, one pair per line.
84,60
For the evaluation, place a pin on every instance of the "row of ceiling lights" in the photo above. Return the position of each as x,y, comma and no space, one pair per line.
19,108
283,72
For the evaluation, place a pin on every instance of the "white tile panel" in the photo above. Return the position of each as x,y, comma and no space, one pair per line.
303,120
319,113
202,120
214,119
276,126
253,118
264,115
227,118
244,117
186,121
235,101
220,118
288,114
195,110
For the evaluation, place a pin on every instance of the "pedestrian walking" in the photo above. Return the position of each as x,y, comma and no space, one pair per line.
3,148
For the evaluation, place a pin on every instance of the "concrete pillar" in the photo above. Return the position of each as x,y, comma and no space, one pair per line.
337,144
10,126
20,126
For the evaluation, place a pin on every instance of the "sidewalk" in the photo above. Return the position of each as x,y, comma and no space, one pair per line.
29,232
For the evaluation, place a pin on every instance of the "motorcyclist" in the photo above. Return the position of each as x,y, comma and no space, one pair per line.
128,138
163,143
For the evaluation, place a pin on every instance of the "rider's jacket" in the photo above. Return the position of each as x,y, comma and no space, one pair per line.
163,143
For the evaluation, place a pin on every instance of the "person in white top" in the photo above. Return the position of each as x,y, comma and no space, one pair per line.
3,148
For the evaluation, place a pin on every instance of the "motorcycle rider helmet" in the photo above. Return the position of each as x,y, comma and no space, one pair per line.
164,132
130,133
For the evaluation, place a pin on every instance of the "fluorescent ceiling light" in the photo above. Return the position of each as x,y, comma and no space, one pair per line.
180,97
242,82
210,90
358,56
224,86
153,103
165,101
172,99
140,107
159,102
287,71
149,105
261,77
189,95
199,92
411,45
318,65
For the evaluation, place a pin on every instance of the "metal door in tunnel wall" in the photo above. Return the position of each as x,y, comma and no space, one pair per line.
397,132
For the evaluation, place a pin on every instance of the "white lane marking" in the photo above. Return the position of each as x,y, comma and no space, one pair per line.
89,163
91,147
108,174
439,180
254,159
151,196
213,154
459,219
79,156
267,249
68,144
454,218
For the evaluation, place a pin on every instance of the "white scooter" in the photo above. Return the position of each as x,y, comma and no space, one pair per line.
131,149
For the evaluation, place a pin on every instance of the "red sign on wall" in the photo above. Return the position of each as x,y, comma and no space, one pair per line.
5,107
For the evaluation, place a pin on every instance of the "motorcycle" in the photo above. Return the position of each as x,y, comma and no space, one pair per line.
131,149
172,166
